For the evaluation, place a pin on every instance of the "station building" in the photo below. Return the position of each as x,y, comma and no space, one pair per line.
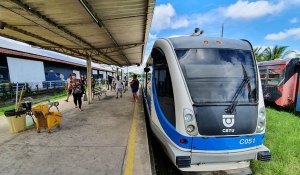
22,63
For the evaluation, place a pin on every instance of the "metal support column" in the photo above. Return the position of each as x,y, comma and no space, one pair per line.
128,77
89,78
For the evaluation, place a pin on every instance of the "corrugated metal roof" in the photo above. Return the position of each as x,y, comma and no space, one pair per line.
110,31
45,58
25,48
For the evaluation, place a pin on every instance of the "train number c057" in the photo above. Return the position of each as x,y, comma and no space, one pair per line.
247,141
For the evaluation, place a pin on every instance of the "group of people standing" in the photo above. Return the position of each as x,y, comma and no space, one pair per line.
77,87
118,84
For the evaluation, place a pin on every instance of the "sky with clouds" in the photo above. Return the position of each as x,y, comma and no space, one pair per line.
263,23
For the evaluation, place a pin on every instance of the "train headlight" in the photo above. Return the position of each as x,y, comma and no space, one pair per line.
262,114
261,120
188,117
190,128
190,122
260,127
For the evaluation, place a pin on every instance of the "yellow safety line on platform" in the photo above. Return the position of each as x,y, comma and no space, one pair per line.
130,148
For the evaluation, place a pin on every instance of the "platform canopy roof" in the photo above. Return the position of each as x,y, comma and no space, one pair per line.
112,32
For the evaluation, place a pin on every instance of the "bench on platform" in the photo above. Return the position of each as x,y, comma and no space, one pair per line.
98,92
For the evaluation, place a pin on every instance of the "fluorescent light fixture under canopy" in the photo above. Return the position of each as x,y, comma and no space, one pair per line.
88,9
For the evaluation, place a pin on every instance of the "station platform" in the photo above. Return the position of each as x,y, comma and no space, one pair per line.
109,137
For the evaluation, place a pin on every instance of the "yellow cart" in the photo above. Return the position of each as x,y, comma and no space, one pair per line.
46,119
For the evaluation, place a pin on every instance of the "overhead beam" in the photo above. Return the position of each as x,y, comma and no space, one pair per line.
26,8
64,49
88,7
61,50
92,52
124,17
118,48
51,23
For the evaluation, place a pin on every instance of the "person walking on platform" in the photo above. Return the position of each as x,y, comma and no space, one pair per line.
118,85
106,82
68,89
78,89
84,82
134,88
125,84
93,83
100,82
110,82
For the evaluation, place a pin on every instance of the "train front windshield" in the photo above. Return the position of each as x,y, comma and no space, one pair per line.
219,75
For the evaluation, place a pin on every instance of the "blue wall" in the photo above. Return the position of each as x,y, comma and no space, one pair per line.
58,71
4,76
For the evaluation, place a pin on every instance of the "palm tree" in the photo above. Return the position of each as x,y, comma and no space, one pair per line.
259,53
276,52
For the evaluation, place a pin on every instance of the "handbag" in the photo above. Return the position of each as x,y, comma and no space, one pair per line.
85,97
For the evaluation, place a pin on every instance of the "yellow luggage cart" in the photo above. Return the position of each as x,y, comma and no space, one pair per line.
46,119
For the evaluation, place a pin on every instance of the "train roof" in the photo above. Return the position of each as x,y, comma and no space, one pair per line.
187,42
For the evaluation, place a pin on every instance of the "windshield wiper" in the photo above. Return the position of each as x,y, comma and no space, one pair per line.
236,96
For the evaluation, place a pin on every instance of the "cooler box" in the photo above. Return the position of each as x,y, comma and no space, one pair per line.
17,120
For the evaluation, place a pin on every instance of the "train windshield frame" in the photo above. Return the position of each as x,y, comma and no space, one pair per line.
215,75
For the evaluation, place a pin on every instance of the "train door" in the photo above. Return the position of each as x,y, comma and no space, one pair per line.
147,85
163,85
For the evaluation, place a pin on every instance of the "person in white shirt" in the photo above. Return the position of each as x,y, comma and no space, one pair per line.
100,82
118,85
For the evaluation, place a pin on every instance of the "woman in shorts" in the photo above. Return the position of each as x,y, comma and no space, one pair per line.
134,88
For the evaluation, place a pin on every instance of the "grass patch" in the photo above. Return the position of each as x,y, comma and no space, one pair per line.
59,95
283,139
6,108
38,100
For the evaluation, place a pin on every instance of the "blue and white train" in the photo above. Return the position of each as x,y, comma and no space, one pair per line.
205,103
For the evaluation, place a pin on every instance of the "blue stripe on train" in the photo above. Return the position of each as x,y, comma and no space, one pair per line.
204,143
298,103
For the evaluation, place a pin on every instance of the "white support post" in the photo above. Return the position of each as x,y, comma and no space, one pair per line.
89,78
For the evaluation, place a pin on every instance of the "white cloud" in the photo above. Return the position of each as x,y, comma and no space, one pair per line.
138,69
282,35
206,18
180,22
152,36
250,10
174,36
165,17
291,2
293,55
162,16
294,20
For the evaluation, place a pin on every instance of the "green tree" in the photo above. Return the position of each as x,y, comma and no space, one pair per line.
259,53
276,52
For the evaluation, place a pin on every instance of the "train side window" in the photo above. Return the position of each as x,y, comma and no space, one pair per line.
163,85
